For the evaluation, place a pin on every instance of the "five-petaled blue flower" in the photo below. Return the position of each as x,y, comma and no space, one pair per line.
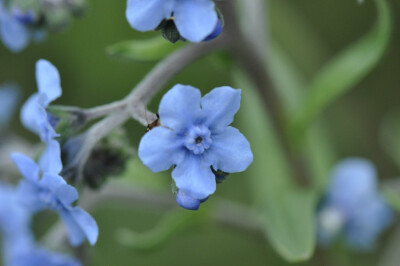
195,136
196,20
18,245
353,207
33,114
43,188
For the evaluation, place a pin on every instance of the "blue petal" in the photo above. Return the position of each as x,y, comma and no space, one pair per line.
34,118
26,166
75,234
86,223
66,194
37,256
50,161
9,95
367,222
187,202
216,32
147,15
160,148
220,105
51,182
179,107
353,182
48,81
194,176
230,151
13,33
29,195
195,19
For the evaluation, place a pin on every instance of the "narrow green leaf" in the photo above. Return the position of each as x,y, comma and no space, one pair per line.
286,212
390,135
143,50
344,71
173,223
290,85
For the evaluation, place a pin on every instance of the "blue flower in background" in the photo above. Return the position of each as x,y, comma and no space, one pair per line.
353,207
18,245
9,96
33,114
194,136
195,20
43,188
13,33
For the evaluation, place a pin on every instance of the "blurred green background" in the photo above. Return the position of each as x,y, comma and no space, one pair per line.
311,31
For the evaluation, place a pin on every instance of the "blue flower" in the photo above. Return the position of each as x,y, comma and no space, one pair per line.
43,188
18,245
194,19
9,95
353,207
194,136
13,33
33,114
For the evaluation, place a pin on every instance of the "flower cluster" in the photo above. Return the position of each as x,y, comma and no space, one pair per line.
18,243
195,138
23,21
353,207
42,186
193,20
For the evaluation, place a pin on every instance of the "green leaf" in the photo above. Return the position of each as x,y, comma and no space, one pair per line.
286,213
390,135
174,222
290,85
391,191
143,50
344,71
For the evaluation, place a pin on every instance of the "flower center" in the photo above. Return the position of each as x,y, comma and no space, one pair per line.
198,139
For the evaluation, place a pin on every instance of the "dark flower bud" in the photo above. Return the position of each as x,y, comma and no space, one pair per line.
107,158
169,31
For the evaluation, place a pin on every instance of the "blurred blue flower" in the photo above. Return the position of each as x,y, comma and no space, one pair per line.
353,207
194,136
43,188
9,96
194,19
33,114
13,33
18,245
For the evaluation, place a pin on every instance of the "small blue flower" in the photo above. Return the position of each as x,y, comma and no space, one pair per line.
18,245
353,207
9,96
13,33
33,114
194,136
194,19
43,188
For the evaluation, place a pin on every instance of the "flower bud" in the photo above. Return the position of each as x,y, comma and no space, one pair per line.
66,121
